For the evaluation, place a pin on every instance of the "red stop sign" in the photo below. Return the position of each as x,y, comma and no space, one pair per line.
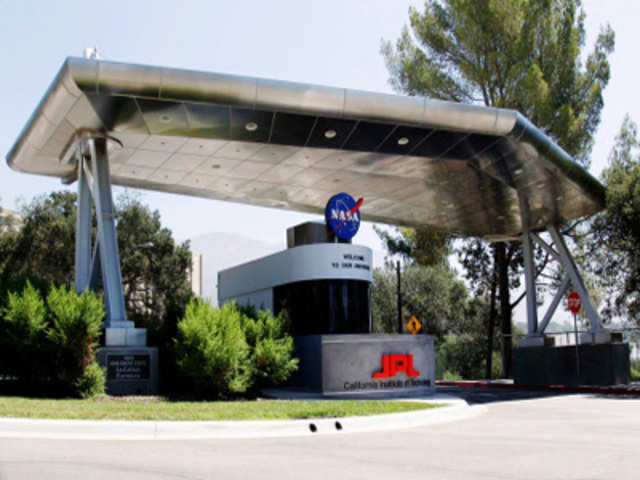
575,304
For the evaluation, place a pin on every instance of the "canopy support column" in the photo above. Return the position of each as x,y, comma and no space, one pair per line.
94,188
83,229
530,284
535,332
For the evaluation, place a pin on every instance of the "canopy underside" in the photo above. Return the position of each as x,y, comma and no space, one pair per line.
467,169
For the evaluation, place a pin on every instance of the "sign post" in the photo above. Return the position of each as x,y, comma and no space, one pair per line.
575,304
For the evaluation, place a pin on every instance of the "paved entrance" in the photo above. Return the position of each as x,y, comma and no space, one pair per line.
561,436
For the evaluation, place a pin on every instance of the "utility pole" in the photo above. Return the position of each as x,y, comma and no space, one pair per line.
399,296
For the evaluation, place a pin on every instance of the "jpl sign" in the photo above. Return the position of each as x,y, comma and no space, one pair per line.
393,364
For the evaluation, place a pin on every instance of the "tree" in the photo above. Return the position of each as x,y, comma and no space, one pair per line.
43,248
153,266
613,242
521,54
432,294
443,306
426,246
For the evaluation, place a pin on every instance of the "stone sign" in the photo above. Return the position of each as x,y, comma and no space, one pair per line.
128,367
344,365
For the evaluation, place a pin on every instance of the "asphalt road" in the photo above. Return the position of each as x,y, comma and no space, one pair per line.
563,437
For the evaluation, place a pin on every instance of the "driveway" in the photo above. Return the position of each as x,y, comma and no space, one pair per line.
519,436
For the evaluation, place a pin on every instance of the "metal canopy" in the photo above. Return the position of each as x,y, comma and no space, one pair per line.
468,169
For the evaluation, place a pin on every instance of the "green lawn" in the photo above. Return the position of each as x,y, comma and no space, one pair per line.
112,409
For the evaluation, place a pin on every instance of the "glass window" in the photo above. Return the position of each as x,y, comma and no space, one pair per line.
325,306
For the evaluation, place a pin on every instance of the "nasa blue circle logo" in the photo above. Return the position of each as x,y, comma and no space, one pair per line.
342,215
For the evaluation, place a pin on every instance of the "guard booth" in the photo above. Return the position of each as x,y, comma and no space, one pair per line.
468,169
322,283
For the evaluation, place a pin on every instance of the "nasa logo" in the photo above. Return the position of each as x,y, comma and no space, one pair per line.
342,215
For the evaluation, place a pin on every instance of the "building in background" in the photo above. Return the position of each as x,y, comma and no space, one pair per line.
195,274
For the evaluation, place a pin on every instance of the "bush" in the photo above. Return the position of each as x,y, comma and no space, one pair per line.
233,350
52,346
75,331
211,350
24,336
271,347
91,381
451,376
461,356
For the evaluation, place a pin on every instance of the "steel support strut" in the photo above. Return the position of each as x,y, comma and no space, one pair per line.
562,255
530,284
576,279
83,227
94,186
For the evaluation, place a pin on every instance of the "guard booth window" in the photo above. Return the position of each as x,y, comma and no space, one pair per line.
325,306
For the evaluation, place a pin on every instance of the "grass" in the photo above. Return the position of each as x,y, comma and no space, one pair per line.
104,408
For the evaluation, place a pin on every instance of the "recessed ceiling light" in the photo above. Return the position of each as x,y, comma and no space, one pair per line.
251,126
403,141
517,171
330,134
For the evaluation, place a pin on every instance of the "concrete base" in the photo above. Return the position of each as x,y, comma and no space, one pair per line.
601,336
122,324
600,364
536,341
130,370
125,337
344,365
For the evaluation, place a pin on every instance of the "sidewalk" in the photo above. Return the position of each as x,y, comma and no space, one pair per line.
456,409
630,389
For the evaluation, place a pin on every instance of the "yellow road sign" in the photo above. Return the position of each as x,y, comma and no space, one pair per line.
414,325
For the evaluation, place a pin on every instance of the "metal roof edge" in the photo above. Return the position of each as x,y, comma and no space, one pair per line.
560,159
60,89
170,84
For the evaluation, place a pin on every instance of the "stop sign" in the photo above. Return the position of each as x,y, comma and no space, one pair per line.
575,304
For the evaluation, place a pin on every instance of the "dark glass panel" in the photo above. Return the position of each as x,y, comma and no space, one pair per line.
291,129
438,143
243,121
330,132
318,307
118,113
208,121
408,138
367,136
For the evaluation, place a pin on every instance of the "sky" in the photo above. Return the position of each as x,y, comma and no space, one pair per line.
327,42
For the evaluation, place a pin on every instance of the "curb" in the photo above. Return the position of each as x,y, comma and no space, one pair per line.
171,430
547,388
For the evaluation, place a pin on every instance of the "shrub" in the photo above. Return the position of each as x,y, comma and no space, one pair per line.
211,350
75,331
91,381
461,355
24,336
451,376
271,347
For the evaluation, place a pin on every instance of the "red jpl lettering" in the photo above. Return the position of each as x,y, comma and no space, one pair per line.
392,364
